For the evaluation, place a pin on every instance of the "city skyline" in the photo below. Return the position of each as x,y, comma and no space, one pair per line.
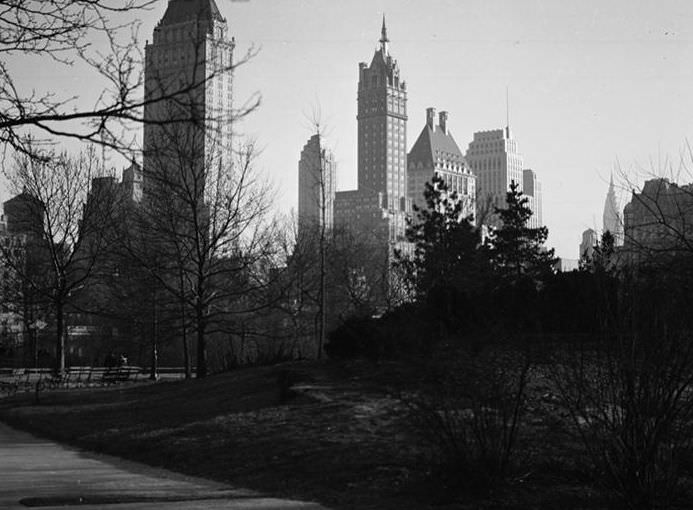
591,85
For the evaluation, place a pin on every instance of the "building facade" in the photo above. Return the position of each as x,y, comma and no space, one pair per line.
22,253
188,95
658,222
531,187
317,183
436,152
495,159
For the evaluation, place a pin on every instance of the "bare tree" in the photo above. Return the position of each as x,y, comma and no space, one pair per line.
318,181
67,235
67,32
203,231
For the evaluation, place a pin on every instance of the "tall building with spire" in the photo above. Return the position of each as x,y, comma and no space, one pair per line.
382,126
380,204
188,93
613,220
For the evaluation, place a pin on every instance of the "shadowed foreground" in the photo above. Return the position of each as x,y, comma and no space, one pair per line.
37,473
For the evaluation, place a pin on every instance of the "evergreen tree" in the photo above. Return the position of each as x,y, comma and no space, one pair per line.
446,243
603,259
517,251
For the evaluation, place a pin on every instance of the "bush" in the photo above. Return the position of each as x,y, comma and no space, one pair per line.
403,333
469,411
629,395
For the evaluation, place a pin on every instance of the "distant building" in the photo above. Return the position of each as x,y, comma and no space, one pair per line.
435,152
188,68
613,220
566,265
380,203
494,158
658,221
23,215
531,187
316,186
133,183
22,252
590,239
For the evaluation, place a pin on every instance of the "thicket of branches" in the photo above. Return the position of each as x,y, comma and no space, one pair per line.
86,35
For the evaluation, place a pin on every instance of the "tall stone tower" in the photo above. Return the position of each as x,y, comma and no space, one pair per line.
188,92
613,220
382,127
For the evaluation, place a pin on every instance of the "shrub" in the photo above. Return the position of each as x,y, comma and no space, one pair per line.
469,411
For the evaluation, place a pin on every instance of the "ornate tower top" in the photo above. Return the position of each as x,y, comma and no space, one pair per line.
182,11
383,38
613,221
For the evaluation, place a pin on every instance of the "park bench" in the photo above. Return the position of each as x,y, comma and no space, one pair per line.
113,375
23,379
28,379
71,377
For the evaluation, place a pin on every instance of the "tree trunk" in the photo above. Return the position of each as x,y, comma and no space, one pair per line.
186,349
153,375
201,346
60,339
186,352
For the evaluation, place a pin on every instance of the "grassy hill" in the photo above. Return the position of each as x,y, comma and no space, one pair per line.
310,431
336,434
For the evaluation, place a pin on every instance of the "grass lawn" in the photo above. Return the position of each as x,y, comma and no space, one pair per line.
329,433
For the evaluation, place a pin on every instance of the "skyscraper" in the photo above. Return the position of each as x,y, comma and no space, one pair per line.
436,152
613,220
382,129
496,161
590,239
316,186
658,221
531,187
188,92
380,204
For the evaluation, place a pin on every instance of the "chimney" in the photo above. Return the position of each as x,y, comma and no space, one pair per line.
430,117
443,121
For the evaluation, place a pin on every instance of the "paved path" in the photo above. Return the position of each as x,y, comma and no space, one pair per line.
42,474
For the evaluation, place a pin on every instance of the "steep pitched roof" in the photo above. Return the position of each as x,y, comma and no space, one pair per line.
180,11
431,140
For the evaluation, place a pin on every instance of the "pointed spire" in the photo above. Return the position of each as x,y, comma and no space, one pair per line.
383,37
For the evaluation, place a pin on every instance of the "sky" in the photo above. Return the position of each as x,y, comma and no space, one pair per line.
595,86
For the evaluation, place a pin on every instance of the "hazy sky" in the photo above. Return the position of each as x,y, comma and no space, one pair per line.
592,83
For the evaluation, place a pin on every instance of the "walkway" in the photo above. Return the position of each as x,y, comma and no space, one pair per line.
42,474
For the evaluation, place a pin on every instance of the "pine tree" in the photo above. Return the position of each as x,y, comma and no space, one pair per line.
517,251
446,243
